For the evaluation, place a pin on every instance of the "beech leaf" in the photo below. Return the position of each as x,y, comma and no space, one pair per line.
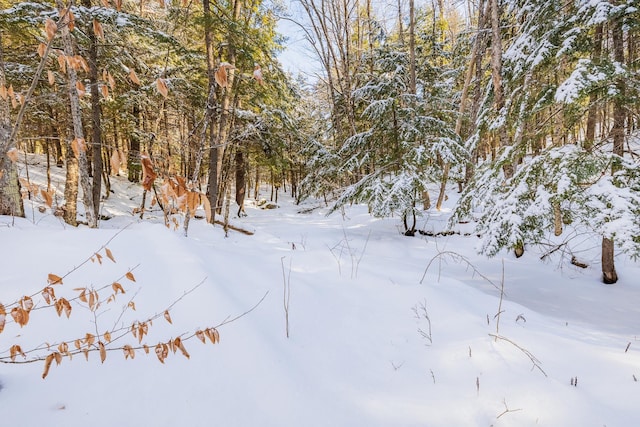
167,316
97,29
50,28
20,316
103,351
54,279
161,85
48,199
3,317
109,254
178,343
26,303
117,287
47,365
16,350
107,337
41,49
130,276
134,77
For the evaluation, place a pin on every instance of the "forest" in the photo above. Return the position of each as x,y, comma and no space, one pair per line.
527,108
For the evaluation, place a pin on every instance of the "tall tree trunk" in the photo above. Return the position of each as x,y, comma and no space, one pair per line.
134,165
70,208
96,114
609,275
78,132
10,198
214,160
216,154
496,78
592,116
240,181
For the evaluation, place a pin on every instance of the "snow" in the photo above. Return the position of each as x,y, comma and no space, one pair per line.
385,330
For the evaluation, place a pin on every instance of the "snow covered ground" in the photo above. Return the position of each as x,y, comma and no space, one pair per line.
384,330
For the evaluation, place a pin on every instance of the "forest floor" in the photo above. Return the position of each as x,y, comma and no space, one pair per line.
383,329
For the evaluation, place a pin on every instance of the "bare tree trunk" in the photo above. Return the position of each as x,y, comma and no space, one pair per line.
240,181
592,116
96,114
10,198
76,115
496,77
609,275
70,209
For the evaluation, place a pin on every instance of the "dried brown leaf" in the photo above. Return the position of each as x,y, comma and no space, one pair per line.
118,5
220,77
48,199
117,287
63,348
62,63
26,303
47,365
200,335
41,49
97,29
63,306
103,351
3,92
78,344
132,305
89,339
130,276
3,317
111,81
16,350
162,351
72,21
107,336
178,343
148,174
105,3
50,28
105,91
83,294
167,316
134,77
161,85
54,279
145,348
80,88
20,316
48,294
129,352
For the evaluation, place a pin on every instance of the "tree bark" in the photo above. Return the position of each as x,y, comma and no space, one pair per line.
78,132
10,197
496,77
609,275
96,114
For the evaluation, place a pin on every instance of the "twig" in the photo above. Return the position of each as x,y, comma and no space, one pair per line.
534,360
